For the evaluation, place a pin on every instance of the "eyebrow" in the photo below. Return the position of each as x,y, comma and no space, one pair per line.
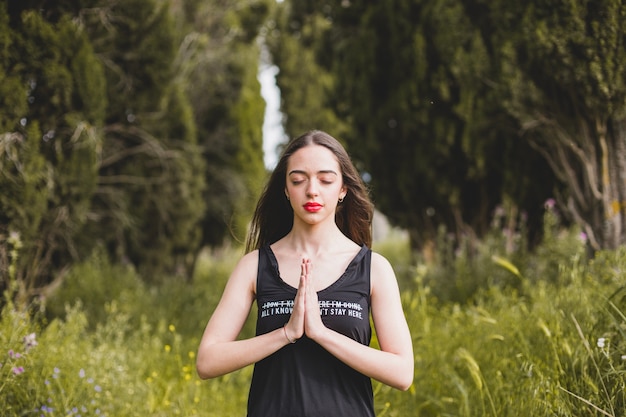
324,171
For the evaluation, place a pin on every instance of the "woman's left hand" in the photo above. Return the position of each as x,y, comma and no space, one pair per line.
313,324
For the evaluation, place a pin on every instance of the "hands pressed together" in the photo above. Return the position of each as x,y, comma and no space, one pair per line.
306,317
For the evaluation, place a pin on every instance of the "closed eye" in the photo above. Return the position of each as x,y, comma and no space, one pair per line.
327,179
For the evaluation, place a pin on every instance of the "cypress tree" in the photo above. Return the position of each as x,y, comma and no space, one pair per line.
561,76
300,46
50,142
228,109
148,203
116,102
421,119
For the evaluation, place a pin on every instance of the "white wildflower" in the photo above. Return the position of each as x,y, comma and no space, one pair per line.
30,341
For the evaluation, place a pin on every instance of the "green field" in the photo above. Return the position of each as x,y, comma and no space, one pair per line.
495,333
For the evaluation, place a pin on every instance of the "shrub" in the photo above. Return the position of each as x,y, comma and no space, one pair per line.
115,349
547,346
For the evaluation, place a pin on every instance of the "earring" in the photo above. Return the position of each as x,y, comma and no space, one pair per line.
287,197
341,199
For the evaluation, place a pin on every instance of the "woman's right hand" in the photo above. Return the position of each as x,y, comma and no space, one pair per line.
295,326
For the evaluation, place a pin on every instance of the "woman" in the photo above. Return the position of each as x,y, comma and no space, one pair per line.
315,280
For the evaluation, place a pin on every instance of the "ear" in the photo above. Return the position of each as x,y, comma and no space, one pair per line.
344,192
286,194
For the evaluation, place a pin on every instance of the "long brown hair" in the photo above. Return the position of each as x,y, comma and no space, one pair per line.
273,216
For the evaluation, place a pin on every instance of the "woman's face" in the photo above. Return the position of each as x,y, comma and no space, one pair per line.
314,183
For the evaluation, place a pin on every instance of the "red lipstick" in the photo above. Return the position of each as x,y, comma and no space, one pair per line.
312,207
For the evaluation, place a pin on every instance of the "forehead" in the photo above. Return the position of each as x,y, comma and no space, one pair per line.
313,158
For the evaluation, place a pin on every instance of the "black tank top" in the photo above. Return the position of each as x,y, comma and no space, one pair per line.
303,379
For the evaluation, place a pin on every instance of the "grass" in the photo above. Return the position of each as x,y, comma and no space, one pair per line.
516,334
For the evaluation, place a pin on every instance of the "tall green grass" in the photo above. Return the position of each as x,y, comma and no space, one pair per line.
495,332
549,351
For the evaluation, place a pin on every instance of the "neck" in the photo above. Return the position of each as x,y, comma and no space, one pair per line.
313,240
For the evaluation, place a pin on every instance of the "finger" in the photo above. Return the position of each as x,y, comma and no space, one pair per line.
311,291
303,273
305,267
296,320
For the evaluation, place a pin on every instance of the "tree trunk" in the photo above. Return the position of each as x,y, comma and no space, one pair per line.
614,185
592,163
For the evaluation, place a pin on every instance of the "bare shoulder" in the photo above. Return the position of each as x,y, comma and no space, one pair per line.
382,273
380,264
250,259
245,271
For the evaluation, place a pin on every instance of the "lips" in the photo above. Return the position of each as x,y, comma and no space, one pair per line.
312,207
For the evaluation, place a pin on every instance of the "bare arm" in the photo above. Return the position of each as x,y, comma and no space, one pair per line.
220,352
393,364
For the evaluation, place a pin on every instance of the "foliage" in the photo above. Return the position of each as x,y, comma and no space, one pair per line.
511,355
148,203
112,346
515,104
132,126
248,114
219,59
297,44
560,72
543,335
49,142
417,110
501,259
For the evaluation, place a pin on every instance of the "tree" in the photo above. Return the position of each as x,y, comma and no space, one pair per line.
220,67
422,120
148,204
563,77
298,46
111,98
50,123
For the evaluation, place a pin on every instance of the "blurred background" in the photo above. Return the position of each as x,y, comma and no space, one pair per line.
147,127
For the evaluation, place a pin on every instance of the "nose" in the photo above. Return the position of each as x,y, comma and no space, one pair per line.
311,189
